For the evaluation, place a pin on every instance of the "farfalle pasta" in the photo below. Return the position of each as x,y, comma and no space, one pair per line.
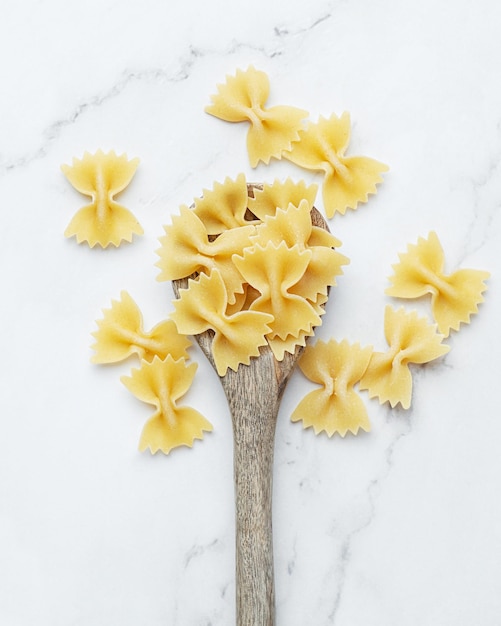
224,206
348,180
273,271
280,346
237,336
411,339
242,99
293,226
120,333
186,248
279,132
253,271
161,383
336,407
102,176
278,195
279,267
454,297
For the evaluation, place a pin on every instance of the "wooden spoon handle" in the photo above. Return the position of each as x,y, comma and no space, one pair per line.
254,393
254,420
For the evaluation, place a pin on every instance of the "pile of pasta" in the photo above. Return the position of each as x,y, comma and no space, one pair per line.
259,275
258,272
259,269
255,272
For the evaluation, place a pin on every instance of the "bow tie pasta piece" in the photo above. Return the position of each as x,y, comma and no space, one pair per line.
224,206
336,407
242,99
103,221
273,271
280,346
186,249
412,339
237,337
348,180
293,226
324,266
162,383
454,297
120,333
279,195
321,237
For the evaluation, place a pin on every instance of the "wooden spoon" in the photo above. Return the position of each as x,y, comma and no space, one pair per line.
254,393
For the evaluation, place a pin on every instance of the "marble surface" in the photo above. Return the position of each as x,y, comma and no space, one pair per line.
396,527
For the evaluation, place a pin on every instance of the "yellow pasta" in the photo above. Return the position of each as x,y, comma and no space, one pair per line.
411,339
336,407
273,271
258,274
103,221
243,300
348,180
293,226
186,249
324,266
120,333
224,206
294,340
281,266
162,383
455,297
280,346
322,237
279,195
237,337
242,99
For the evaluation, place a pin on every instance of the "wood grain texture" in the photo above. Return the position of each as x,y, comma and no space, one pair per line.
254,393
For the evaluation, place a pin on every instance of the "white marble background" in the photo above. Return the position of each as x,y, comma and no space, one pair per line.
398,527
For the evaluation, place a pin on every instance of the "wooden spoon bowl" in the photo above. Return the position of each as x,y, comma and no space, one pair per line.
254,393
